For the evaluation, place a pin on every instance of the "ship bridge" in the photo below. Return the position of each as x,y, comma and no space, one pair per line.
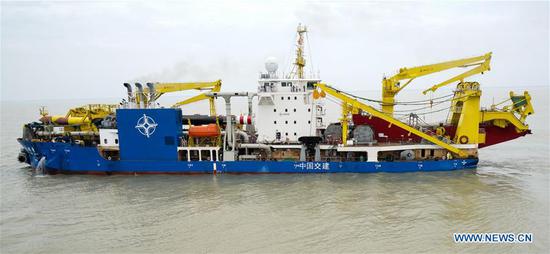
286,109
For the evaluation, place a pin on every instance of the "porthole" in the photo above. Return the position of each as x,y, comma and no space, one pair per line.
286,110
282,98
288,97
294,121
286,133
295,98
274,122
294,110
105,141
274,110
116,140
309,122
308,110
286,122
294,133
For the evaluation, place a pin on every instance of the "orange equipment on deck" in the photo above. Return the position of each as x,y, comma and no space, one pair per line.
209,130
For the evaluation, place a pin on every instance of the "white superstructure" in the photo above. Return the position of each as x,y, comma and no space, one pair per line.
287,111
286,108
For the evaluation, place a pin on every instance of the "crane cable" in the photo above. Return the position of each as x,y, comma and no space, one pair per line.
417,102
431,112
433,101
399,114
406,114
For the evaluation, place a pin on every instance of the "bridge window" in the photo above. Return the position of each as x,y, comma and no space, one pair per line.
104,141
116,141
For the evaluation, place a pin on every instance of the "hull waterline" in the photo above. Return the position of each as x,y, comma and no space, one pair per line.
68,158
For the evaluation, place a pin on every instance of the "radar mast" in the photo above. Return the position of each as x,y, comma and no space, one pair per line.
300,62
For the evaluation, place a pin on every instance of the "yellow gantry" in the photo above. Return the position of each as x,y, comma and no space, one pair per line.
521,105
464,113
392,86
349,103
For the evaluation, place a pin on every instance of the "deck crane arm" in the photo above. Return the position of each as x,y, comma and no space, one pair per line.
392,86
349,102
162,88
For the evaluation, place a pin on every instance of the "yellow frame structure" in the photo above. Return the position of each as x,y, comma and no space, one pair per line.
350,103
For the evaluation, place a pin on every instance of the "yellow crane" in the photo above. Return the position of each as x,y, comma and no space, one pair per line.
156,90
351,105
392,86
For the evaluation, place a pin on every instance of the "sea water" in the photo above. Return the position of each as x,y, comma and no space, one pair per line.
398,213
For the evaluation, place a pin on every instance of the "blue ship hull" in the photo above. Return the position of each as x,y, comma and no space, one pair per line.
70,158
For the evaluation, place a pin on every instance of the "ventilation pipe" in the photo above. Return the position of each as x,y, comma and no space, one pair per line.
152,94
130,95
140,95
249,127
242,134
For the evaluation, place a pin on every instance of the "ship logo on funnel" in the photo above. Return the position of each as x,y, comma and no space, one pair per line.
146,125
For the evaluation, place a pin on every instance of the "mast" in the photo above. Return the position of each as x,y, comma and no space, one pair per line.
300,61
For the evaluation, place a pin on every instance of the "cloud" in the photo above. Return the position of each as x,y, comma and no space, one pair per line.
187,71
57,46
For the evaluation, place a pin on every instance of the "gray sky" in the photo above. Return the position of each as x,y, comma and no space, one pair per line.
88,49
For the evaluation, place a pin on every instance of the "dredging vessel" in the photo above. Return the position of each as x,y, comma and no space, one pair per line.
286,129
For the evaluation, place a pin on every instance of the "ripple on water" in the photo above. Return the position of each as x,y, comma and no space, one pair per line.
399,213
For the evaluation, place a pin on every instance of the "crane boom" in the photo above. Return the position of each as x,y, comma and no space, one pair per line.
158,89
162,88
392,86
